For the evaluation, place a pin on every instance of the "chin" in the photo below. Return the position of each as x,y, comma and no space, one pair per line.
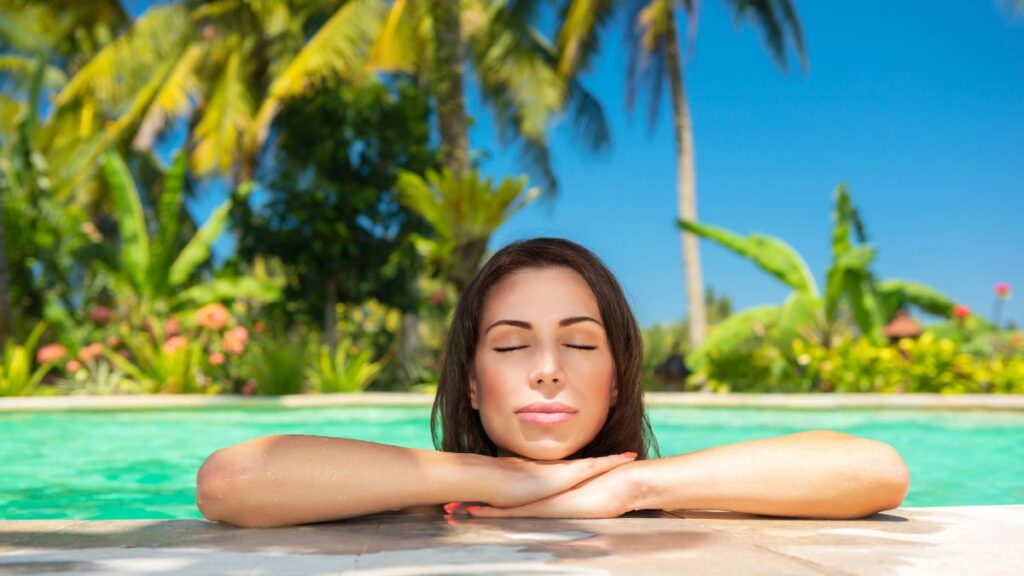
545,452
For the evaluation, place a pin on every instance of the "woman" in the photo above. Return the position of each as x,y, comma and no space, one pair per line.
540,413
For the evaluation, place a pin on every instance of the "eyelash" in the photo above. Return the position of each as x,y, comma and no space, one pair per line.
514,348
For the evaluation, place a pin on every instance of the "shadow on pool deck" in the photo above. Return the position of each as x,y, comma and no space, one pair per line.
951,540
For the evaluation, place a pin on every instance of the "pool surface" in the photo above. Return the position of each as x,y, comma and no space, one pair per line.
92,465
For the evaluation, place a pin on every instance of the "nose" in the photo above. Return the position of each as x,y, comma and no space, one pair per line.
548,368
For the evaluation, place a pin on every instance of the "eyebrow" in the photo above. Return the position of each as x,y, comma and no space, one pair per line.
526,325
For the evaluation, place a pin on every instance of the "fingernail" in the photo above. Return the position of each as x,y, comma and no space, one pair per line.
629,454
451,506
472,509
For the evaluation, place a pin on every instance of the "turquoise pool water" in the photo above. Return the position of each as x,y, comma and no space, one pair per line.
142,464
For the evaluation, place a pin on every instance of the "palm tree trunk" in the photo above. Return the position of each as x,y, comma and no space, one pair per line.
330,313
6,311
448,92
687,188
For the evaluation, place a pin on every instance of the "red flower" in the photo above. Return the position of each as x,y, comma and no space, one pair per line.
101,315
213,316
172,327
1003,290
438,298
90,352
50,353
259,327
216,359
174,343
235,340
73,366
961,311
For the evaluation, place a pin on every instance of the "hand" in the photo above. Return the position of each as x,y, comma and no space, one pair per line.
604,496
515,481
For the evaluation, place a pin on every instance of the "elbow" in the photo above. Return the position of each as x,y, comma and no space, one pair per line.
222,483
894,477
215,489
885,478
879,479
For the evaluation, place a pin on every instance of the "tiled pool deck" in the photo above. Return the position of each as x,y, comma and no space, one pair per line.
927,541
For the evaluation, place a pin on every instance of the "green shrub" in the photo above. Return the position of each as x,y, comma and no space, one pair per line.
348,369
278,366
16,375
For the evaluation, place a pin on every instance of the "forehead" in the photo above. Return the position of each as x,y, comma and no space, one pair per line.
540,293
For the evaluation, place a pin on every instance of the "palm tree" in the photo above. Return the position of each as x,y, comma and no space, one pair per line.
656,57
513,63
225,67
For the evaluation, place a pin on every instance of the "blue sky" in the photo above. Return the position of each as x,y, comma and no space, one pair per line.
919,109
917,106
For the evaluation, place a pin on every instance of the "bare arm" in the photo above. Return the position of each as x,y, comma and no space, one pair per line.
295,479
816,474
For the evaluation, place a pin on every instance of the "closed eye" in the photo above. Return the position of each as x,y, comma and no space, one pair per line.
514,348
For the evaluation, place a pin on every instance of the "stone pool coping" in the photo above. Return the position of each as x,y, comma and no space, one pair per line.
1003,402
927,541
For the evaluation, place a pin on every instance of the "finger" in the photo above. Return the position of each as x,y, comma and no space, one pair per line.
590,467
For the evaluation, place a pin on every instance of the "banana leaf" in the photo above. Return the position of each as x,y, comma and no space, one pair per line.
732,332
131,221
895,293
771,254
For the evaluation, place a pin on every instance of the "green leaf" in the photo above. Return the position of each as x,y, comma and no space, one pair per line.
169,217
799,311
131,221
198,248
864,304
769,253
733,332
230,288
895,292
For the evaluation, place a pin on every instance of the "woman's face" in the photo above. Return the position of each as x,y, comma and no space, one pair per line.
542,340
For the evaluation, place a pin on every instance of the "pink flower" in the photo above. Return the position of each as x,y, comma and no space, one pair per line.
260,327
172,327
235,340
961,311
1003,290
90,352
216,359
250,388
101,315
213,316
112,341
438,298
73,366
174,343
50,353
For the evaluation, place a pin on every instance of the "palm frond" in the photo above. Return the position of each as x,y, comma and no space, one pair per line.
778,22
175,98
117,70
578,37
225,120
339,49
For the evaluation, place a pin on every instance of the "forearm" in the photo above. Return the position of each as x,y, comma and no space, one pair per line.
295,479
816,474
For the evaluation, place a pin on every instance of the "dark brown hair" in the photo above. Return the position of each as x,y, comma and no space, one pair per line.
626,428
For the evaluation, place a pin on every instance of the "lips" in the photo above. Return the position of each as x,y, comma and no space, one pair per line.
546,412
546,408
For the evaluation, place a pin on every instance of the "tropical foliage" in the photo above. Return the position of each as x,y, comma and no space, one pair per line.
281,196
852,294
